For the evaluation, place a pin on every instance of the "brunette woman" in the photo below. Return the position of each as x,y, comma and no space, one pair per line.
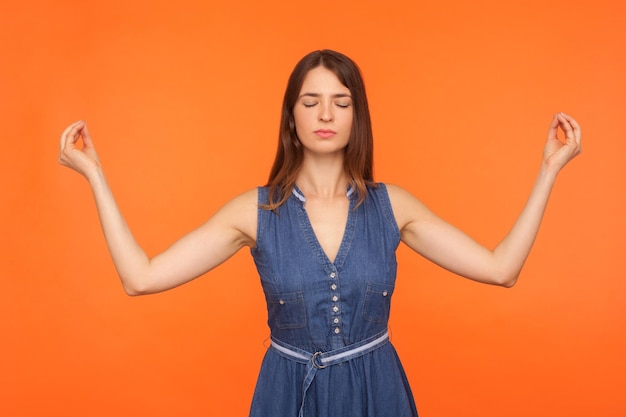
323,236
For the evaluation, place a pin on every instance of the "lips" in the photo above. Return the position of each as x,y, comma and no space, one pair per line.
325,133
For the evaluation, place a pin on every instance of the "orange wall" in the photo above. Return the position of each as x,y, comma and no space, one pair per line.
183,100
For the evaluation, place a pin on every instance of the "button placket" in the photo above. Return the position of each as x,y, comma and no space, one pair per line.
335,307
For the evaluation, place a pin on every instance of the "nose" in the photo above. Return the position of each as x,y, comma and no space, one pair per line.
326,112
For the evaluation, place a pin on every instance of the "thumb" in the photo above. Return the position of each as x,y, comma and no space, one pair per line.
87,141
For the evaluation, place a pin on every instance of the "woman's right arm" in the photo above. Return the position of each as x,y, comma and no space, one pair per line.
230,229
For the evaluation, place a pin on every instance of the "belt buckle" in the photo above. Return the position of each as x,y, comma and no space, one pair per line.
314,361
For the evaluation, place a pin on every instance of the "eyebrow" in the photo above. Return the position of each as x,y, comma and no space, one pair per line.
317,95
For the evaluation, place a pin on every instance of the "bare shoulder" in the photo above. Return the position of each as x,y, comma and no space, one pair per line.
396,192
406,207
240,214
248,199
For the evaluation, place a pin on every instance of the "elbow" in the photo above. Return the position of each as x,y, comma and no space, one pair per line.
509,283
506,280
133,287
132,292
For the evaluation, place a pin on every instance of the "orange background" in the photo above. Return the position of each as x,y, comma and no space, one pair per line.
183,100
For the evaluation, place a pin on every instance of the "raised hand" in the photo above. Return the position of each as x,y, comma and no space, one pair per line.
82,160
558,152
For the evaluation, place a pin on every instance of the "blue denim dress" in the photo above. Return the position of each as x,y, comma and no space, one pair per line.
316,306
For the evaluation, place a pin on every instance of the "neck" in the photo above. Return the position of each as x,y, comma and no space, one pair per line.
323,177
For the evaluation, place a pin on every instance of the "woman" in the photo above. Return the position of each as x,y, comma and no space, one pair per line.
323,235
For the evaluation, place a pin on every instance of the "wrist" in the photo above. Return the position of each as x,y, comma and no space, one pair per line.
95,176
548,172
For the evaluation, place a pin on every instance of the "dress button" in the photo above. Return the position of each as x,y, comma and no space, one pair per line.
334,287
336,320
281,302
333,275
335,309
385,293
335,298
337,330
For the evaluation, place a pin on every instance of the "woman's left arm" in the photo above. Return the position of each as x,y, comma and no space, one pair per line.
452,249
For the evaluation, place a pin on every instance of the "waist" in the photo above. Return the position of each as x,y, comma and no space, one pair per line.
323,359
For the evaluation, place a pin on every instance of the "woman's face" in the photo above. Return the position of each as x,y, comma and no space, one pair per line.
323,112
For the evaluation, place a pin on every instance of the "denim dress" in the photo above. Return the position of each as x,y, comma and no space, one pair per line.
316,306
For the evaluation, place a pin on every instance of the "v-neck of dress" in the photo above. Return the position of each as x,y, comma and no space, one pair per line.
311,237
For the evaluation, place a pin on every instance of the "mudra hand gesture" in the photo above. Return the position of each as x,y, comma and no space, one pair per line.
82,160
557,153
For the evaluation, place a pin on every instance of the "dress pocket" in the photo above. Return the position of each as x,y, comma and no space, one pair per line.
286,310
377,302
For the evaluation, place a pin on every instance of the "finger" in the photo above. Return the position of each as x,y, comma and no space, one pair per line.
572,134
575,127
70,134
87,137
554,128
567,127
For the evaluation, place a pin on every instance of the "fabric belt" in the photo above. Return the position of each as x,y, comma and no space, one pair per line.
320,360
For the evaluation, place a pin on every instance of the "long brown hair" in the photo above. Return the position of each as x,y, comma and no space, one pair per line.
358,161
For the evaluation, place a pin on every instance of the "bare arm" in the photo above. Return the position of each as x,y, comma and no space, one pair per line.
231,228
447,246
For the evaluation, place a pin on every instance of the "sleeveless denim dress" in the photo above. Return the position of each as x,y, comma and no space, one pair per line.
318,307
